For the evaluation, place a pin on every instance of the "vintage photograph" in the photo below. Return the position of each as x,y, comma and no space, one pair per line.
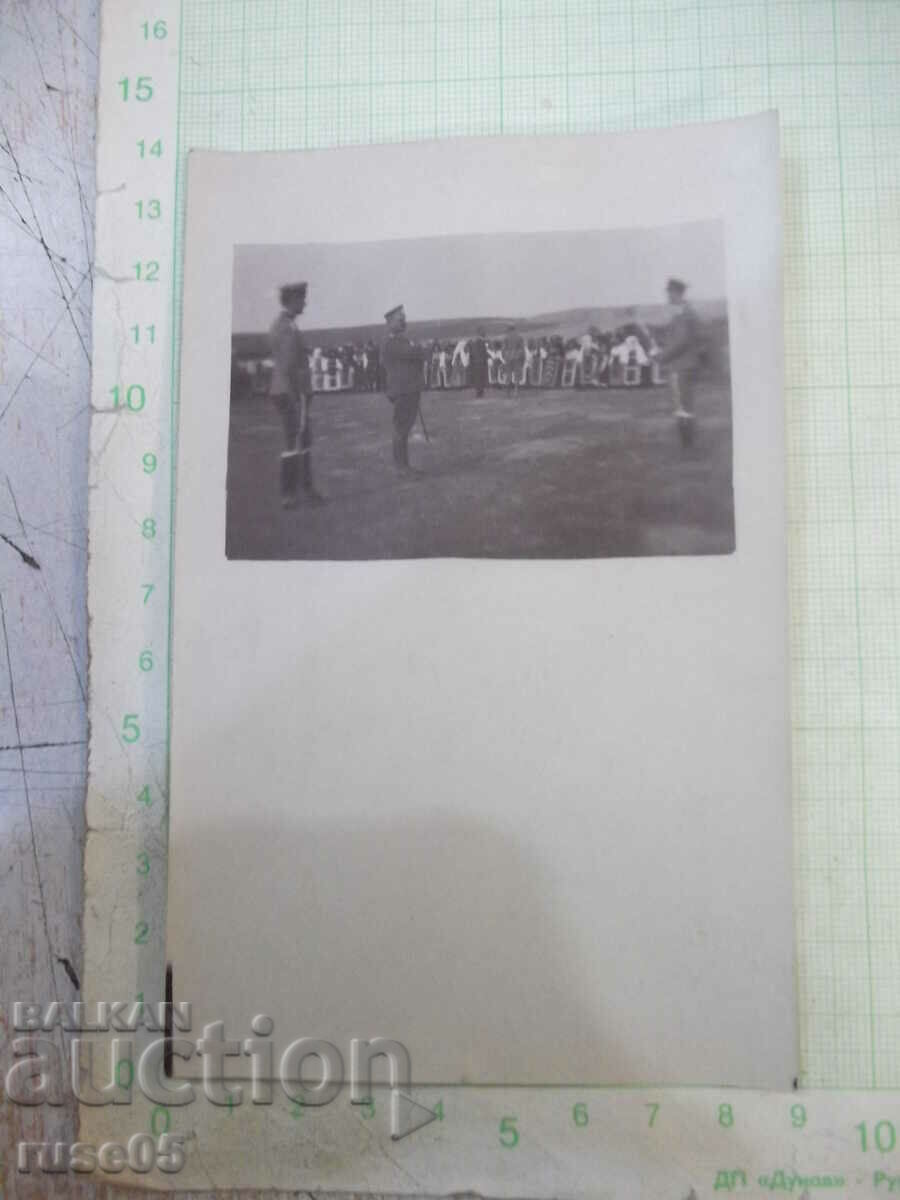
480,596
547,395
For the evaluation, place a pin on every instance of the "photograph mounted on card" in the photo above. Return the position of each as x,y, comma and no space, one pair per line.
479,703
536,395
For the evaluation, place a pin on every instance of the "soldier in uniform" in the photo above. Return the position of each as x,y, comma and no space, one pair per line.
402,362
681,354
291,389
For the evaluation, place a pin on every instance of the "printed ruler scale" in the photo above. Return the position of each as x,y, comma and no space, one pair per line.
132,446
266,74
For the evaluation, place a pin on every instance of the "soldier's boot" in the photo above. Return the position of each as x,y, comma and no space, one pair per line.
309,488
290,477
401,458
686,428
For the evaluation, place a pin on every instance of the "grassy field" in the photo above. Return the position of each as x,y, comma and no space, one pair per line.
550,474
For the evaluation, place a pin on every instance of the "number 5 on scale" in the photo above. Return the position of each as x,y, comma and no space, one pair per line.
509,1135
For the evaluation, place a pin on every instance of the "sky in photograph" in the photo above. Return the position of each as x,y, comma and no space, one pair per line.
478,275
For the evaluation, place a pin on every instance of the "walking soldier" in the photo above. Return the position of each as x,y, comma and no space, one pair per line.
681,355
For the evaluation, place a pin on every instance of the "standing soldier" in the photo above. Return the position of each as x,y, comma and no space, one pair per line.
478,362
291,389
681,354
402,361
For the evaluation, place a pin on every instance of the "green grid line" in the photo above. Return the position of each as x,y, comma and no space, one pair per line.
272,75
862,711
175,336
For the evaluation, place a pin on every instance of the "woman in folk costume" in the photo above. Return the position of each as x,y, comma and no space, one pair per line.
571,363
331,368
443,371
459,364
351,366
555,360
495,362
435,361
513,356
589,350
602,373
543,353
316,369
531,359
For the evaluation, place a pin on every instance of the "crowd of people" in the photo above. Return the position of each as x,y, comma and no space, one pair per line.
620,358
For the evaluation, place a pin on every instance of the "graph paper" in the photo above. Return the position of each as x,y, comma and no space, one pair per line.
287,74
294,74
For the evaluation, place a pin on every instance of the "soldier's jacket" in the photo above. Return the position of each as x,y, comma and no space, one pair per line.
684,341
290,372
402,362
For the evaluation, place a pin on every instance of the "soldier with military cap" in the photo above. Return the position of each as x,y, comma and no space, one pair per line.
402,361
291,389
681,354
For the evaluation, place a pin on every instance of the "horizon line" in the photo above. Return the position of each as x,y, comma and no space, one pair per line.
478,319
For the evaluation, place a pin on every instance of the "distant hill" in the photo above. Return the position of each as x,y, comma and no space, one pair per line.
579,319
570,322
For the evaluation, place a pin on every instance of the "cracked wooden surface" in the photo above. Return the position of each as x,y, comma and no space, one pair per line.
48,71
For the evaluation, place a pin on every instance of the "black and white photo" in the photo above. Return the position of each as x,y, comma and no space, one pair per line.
544,395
